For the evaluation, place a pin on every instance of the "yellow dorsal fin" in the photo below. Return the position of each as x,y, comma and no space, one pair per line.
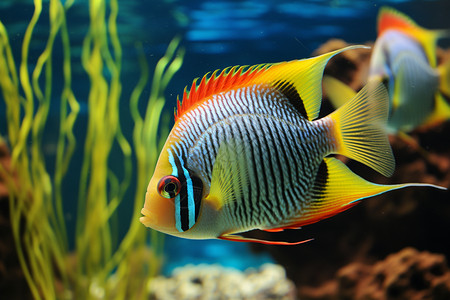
391,19
305,76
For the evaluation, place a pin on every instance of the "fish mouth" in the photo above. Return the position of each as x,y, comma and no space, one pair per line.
151,221
147,219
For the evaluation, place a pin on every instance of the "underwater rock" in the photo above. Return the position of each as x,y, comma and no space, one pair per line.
217,282
408,274
12,280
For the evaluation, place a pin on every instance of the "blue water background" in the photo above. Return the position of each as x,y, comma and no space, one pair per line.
216,34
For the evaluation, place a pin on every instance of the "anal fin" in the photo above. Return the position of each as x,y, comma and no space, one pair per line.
274,230
238,238
337,189
229,174
280,229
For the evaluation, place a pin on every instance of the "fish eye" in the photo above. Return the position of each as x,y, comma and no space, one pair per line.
169,187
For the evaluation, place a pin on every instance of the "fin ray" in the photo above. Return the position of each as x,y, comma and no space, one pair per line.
360,128
217,83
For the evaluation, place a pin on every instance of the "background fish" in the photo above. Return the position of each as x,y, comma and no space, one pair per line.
248,152
404,57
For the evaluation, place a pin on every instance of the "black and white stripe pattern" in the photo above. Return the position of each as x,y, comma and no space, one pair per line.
282,149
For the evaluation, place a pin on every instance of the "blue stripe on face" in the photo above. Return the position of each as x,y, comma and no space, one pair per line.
176,170
190,189
177,198
173,164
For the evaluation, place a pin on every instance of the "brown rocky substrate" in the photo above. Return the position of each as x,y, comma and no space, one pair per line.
12,280
408,274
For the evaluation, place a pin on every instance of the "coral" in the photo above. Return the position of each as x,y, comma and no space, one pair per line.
408,274
217,282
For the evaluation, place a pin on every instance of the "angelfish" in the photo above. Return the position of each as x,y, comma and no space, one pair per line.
248,151
404,57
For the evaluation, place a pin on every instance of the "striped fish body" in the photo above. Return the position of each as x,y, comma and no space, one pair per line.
248,152
273,146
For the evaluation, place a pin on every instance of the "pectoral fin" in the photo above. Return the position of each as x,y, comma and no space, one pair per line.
229,174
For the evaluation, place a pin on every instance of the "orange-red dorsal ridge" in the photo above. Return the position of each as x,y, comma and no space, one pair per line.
230,78
391,19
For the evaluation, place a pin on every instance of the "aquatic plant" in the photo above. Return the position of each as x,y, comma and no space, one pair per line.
100,266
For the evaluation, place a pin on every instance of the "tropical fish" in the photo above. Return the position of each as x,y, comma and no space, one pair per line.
404,56
248,151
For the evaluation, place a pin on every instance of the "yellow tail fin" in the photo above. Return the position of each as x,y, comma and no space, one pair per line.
444,76
360,128
441,112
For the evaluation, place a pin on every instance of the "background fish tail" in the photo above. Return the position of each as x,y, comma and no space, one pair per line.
444,74
441,110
